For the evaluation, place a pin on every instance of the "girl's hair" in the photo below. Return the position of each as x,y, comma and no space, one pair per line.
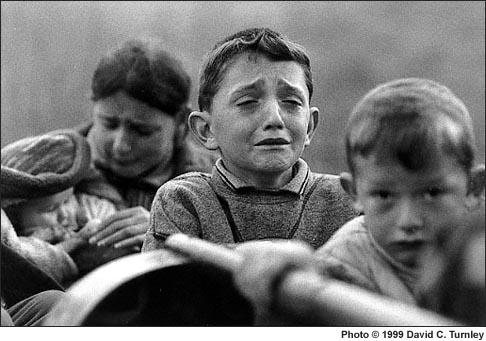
256,40
146,72
413,121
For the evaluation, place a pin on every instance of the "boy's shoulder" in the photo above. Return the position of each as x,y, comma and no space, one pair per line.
188,179
328,181
352,236
348,255
195,183
328,187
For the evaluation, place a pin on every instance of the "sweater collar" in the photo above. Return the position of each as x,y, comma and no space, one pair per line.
296,185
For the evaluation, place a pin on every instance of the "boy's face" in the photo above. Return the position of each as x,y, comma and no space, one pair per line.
260,118
405,210
57,210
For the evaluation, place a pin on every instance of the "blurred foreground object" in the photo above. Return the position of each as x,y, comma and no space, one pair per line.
307,299
152,289
194,287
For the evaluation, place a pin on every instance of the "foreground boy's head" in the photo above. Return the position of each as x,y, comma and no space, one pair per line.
38,175
410,148
254,95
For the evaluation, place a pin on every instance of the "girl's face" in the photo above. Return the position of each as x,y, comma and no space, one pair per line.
130,137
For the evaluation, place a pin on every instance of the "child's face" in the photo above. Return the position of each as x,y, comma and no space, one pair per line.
405,210
260,117
57,210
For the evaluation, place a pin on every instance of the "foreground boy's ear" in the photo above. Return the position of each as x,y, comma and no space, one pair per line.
349,187
311,128
200,125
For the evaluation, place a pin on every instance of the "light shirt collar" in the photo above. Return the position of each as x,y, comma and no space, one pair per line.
296,185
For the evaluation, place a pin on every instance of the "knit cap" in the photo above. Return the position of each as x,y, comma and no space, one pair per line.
43,165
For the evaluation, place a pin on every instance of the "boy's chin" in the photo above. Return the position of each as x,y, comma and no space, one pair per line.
275,165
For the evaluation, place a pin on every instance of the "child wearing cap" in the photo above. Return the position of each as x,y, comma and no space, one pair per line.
410,149
51,225
254,99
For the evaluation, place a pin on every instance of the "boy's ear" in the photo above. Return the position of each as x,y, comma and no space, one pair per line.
311,128
348,184
477,181
200,125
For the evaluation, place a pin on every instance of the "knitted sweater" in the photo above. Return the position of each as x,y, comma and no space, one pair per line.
352,255
223,209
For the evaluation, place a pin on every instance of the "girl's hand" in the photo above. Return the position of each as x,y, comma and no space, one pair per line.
79,239
123,229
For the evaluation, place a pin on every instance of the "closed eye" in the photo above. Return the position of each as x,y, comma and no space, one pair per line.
293,102
246,102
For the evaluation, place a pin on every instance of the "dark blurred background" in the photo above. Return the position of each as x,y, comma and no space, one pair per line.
50,50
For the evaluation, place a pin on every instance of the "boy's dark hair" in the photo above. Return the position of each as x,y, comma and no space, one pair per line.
144,71
411,120
257,40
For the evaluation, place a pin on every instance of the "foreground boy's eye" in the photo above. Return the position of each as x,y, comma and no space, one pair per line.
383,195
109,124
433,192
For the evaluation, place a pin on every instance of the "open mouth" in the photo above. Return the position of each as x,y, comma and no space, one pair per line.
272,142
410,245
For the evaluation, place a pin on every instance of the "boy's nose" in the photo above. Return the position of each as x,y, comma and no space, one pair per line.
409,217
273,117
